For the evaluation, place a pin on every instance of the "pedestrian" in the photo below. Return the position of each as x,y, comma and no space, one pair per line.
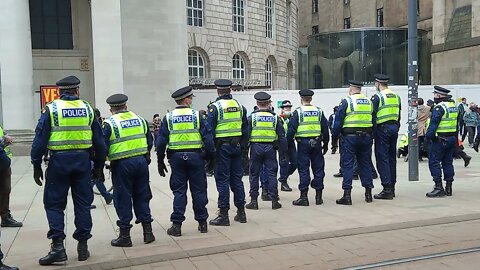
470,118
354,121
129,142
331,120
228,119
186,133
309,127
68,129
288,165
459,153
386,124
266,136
442,132
156,122
5,162
424,112
462,108
6,184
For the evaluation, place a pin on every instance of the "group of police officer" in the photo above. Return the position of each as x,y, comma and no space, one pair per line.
194,144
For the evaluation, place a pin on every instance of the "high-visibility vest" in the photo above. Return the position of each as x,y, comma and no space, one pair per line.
128,137
6,148
404,140
264,125
229,118
71,122
389,106
309,122
359,112
448,123
184,129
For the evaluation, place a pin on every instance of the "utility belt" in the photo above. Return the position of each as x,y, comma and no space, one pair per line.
391,122
55,152
274,144
233,141
446,135
192,150
313,141
357,131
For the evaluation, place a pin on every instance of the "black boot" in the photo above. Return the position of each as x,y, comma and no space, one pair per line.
265,196
355,177
222,218
284,186
368,195
123,239
386,194
148,236
9,221
448,188
334,150
202,226
6,267
241,215
303,200
57,253
318,197
276,205
347,197
437,191
466,160
175,230
82,250
338,175
253,204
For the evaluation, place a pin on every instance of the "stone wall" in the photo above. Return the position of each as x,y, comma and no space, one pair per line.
456,66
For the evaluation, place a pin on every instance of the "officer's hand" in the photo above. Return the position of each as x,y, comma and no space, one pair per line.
148,158
325,148
98,174
38,175
475,145
162,168
209,165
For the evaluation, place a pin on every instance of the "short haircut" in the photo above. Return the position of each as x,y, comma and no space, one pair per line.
307,99
420,101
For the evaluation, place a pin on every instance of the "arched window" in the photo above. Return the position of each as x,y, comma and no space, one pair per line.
289,74
347,69
268,73
238,67
196,65
317,77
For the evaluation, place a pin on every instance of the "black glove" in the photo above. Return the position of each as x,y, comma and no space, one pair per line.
98,174
38,174
162,168
209,165
475,145
325,148
148,158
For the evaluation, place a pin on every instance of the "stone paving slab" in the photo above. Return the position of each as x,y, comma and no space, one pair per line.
24,246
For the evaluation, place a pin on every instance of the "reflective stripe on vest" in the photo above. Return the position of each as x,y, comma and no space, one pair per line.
448,123
264,126
359,112
309,122
71,122
229,118
389,106
128,137
184,128
6,148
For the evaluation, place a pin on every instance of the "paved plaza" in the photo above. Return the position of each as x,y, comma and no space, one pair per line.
329,236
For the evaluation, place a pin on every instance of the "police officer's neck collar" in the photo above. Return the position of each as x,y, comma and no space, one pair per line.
226,96
65,96
264,110
182,106
121,111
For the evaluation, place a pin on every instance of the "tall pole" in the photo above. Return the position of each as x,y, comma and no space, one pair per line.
412,91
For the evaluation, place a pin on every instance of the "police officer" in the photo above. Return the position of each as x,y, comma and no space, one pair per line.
442,133
6,184
354,122
186,133
288,164
68,129
228,119
309,127
5,162
386,120
266,136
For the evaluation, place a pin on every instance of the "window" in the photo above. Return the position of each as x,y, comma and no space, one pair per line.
238,67
317,77
314,6
268,73
418,7
269,18
196,66
314,29
195,12
380,17
346,2
346,23
289,23
51,24
238,15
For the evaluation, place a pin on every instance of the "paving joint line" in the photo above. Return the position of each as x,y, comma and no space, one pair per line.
184,254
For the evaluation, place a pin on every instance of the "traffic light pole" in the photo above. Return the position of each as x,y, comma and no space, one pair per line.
412,91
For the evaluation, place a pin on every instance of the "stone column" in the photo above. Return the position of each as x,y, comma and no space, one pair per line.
16,66
439,22
107,51
475,18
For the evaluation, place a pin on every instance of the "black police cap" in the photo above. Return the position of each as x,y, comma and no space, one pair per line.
262,96
440,90
223,83
381,78
183,93
70,82
117,100
306,93
286,103
355,83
